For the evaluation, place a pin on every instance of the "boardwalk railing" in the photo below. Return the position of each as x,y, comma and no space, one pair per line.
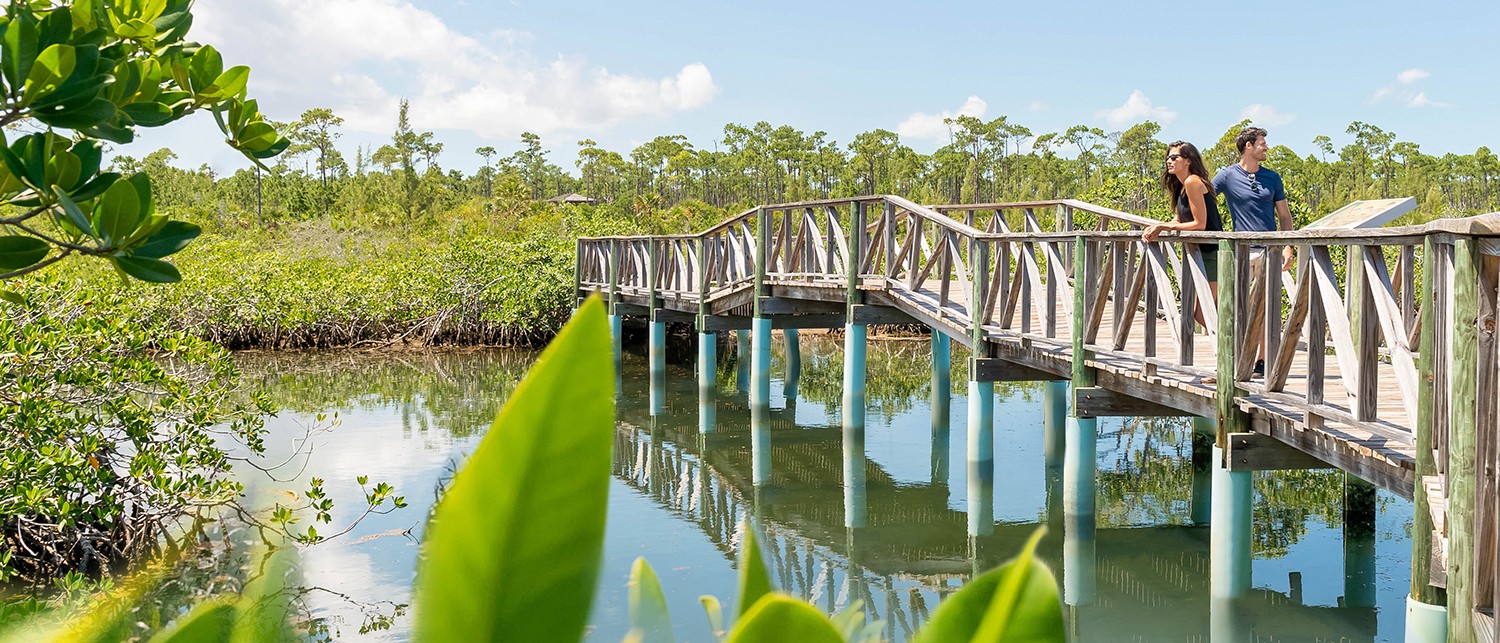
1362,371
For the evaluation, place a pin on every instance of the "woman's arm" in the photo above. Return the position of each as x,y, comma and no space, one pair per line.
1196,192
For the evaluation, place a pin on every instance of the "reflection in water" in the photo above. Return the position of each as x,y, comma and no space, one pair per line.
870,510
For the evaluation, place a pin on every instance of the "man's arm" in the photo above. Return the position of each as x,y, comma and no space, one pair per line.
1284,222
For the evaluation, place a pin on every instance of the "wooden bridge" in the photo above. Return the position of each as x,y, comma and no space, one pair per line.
1380,353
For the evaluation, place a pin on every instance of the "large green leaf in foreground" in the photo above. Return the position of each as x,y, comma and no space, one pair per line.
1015,602
513,550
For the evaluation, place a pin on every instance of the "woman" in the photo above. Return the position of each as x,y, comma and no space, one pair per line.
1186,180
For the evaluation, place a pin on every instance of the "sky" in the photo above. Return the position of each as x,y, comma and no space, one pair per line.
621,73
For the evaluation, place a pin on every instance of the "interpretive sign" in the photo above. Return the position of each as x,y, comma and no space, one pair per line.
1366,214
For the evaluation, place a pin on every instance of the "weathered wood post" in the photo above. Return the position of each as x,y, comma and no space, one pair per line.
1462,441
615,326
1080,580
1426,614
1229,540
708,359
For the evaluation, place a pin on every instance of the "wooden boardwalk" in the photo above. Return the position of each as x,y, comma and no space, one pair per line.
1065,290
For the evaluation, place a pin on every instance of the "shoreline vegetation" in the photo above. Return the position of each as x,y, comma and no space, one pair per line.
318,253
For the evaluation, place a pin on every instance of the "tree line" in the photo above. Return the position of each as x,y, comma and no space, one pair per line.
986,161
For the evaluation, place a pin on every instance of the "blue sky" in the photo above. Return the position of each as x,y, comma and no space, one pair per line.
620,73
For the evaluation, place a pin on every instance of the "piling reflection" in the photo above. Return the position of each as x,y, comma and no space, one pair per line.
869,510
845,525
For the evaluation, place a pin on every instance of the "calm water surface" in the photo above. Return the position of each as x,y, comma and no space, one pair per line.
677,497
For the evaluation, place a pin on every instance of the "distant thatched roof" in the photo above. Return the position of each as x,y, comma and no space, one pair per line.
571,198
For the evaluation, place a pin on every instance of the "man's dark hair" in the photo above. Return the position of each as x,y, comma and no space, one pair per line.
1246,137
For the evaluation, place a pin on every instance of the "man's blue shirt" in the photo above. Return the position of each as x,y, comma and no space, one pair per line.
1251,197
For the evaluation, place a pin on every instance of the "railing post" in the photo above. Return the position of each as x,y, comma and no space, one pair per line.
1083,375
1231,418
614,298
1463,443
1422,590
760,338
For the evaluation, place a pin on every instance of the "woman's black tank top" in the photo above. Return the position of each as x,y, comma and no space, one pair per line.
1185,211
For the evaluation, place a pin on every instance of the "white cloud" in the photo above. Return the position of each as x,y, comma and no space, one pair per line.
359,57
1421,100
1038,106
1137,108
1404,92
1266,116
930,127
1411,76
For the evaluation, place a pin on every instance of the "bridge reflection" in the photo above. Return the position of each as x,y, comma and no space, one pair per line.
838,526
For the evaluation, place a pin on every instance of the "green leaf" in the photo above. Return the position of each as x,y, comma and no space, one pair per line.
53,66
19,46
17,252
135,29
148,114
75,214
172,237
96,112
204,67
778,617
754,582
715,613
648,605
208,622
524,519
266,602
118,213
255,137
1015,602
12,297
95,187
230,83
146,269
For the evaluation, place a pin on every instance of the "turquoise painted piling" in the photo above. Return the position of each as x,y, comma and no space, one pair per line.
760,444
981,457
1229,536
856,515
708,384
981,498
941,395
1054,421
616,327
1080,578
658,354
854,375
1204,433
760,361
981,421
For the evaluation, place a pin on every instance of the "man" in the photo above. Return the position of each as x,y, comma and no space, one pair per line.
1256,199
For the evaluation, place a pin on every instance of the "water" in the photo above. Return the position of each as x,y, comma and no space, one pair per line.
678,496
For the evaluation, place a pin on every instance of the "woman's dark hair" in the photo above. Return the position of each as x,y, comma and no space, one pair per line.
1169,180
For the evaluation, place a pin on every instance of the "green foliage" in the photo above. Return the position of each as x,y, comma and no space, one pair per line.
524,519
102,71
514,546
113,433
